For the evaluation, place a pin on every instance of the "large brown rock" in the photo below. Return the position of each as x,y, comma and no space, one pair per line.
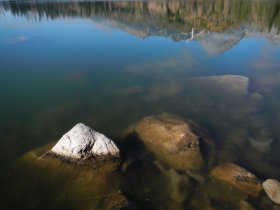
237,177
173,140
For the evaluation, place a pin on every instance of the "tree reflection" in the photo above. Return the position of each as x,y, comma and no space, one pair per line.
168,16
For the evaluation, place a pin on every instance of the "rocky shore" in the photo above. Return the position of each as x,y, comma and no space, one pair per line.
92,169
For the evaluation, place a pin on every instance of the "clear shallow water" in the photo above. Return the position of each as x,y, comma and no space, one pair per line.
109,64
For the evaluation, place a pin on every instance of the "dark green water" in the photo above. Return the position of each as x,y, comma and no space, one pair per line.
109,64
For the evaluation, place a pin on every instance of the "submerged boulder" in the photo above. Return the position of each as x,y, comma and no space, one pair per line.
84,145
272,189
172,140
227,88
237,177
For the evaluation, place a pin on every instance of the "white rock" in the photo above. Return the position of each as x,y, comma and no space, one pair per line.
272,189
81,142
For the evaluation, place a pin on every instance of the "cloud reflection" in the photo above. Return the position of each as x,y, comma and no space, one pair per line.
266,68
22,38
168,75
164,67
18,39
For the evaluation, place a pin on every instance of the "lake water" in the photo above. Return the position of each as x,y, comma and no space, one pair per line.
109,64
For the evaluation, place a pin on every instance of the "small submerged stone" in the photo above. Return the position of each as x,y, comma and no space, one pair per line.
200,199
272,189
118,202
238,177
245,205
262,141
178,185
84,145
256,97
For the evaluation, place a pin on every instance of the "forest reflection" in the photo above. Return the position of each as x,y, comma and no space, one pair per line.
180,20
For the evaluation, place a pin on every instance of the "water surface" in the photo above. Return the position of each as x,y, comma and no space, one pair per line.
109,64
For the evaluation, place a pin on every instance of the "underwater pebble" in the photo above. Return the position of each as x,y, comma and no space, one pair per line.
272,189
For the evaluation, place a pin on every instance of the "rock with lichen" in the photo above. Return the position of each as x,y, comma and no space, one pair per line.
235,176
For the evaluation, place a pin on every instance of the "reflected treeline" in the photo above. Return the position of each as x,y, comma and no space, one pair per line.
155,17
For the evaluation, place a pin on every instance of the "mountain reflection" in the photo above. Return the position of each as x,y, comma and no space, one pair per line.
229,20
